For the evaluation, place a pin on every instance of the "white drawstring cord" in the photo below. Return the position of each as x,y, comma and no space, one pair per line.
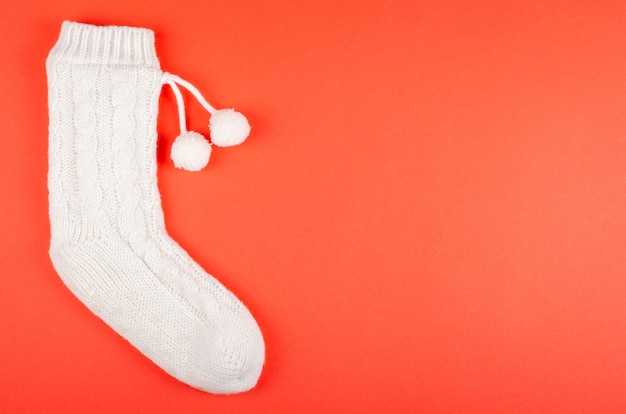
173,80
181,106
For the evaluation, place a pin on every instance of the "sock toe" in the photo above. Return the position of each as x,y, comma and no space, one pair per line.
241,351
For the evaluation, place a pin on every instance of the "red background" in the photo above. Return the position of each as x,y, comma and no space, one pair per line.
429,215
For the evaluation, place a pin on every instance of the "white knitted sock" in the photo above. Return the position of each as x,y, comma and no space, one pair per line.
109,244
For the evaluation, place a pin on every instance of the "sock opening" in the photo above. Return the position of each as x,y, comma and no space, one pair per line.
80,43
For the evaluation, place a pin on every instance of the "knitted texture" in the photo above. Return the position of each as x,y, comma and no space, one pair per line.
108,239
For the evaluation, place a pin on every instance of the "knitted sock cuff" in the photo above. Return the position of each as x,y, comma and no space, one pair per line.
115,45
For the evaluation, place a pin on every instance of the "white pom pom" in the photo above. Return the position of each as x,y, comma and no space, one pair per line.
191,151
228,128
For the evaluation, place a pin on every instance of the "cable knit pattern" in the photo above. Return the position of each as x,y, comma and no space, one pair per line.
109,243
56,180
123,99
89,191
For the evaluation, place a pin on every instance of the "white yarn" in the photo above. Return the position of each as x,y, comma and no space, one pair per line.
191,151
109,243
228,128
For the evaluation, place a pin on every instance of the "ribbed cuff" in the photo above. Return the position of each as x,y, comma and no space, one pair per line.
115,45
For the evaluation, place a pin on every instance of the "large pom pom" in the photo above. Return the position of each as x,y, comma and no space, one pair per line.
191,151
228,128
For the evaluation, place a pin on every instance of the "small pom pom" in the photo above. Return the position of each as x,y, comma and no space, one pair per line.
191,151
228,128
